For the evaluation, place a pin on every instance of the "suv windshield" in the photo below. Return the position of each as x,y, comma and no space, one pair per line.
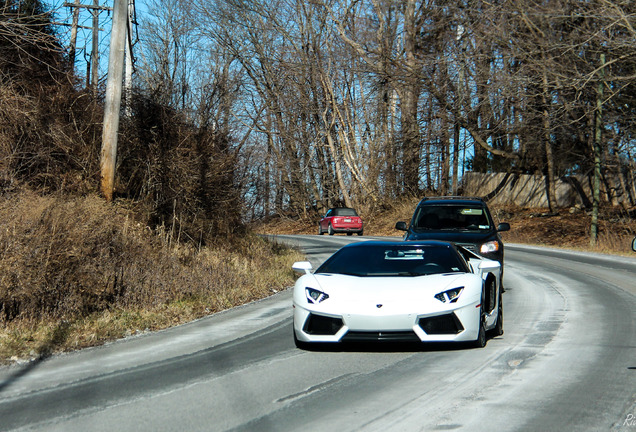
452,217
385,260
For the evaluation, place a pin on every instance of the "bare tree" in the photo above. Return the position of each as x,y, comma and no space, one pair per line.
356,103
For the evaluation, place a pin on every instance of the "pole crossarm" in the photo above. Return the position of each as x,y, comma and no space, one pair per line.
79,26
106,8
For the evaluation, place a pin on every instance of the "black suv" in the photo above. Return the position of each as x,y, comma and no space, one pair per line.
464,221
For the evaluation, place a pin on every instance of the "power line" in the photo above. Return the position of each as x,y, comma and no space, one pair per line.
92,76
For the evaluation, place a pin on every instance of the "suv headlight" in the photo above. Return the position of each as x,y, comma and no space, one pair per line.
315,296
490,247
450,295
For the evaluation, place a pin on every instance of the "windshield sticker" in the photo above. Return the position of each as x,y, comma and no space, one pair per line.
472,212
409,254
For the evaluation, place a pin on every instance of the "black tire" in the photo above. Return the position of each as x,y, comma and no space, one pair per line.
299,344
349,234
360,233
330,230
499,330
480,342
320,230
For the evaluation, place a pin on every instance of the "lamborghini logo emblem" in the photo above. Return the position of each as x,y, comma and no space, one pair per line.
378,306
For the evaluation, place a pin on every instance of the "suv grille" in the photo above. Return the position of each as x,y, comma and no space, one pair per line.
471,247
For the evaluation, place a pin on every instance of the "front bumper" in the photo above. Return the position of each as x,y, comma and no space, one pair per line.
445,325
347,229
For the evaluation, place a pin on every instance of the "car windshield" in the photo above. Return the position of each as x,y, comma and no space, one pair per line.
393,260
452,217
344,212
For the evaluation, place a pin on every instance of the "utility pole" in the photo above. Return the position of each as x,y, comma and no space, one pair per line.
95,51
94,9
113,98
71,53
129,60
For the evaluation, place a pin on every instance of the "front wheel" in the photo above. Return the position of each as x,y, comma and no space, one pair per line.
360,233
499,330
480,342
330,230
299,344
320,230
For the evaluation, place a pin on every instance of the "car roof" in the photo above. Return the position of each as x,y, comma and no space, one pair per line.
451,200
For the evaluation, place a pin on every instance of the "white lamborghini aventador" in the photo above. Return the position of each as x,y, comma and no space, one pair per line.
428,291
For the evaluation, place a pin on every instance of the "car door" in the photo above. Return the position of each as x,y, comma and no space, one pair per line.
324,222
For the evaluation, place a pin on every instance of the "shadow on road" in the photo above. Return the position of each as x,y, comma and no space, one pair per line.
387,347
44,351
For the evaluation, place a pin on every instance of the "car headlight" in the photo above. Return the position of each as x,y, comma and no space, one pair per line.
490,247
450,295
315,296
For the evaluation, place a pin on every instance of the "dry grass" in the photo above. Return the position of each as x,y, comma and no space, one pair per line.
569,229
76,272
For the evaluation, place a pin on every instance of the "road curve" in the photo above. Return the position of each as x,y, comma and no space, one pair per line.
567,361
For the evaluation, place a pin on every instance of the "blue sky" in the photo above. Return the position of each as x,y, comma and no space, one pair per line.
63,15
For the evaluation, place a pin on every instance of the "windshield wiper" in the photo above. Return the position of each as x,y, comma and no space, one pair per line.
412,274
351,274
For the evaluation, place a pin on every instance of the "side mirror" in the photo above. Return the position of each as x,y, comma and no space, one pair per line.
302,267
634,244
504,226
401,226
489,265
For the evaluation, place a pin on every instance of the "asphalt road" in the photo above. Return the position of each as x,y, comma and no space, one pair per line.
567,362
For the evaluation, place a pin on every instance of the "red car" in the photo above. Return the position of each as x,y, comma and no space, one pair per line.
340,220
